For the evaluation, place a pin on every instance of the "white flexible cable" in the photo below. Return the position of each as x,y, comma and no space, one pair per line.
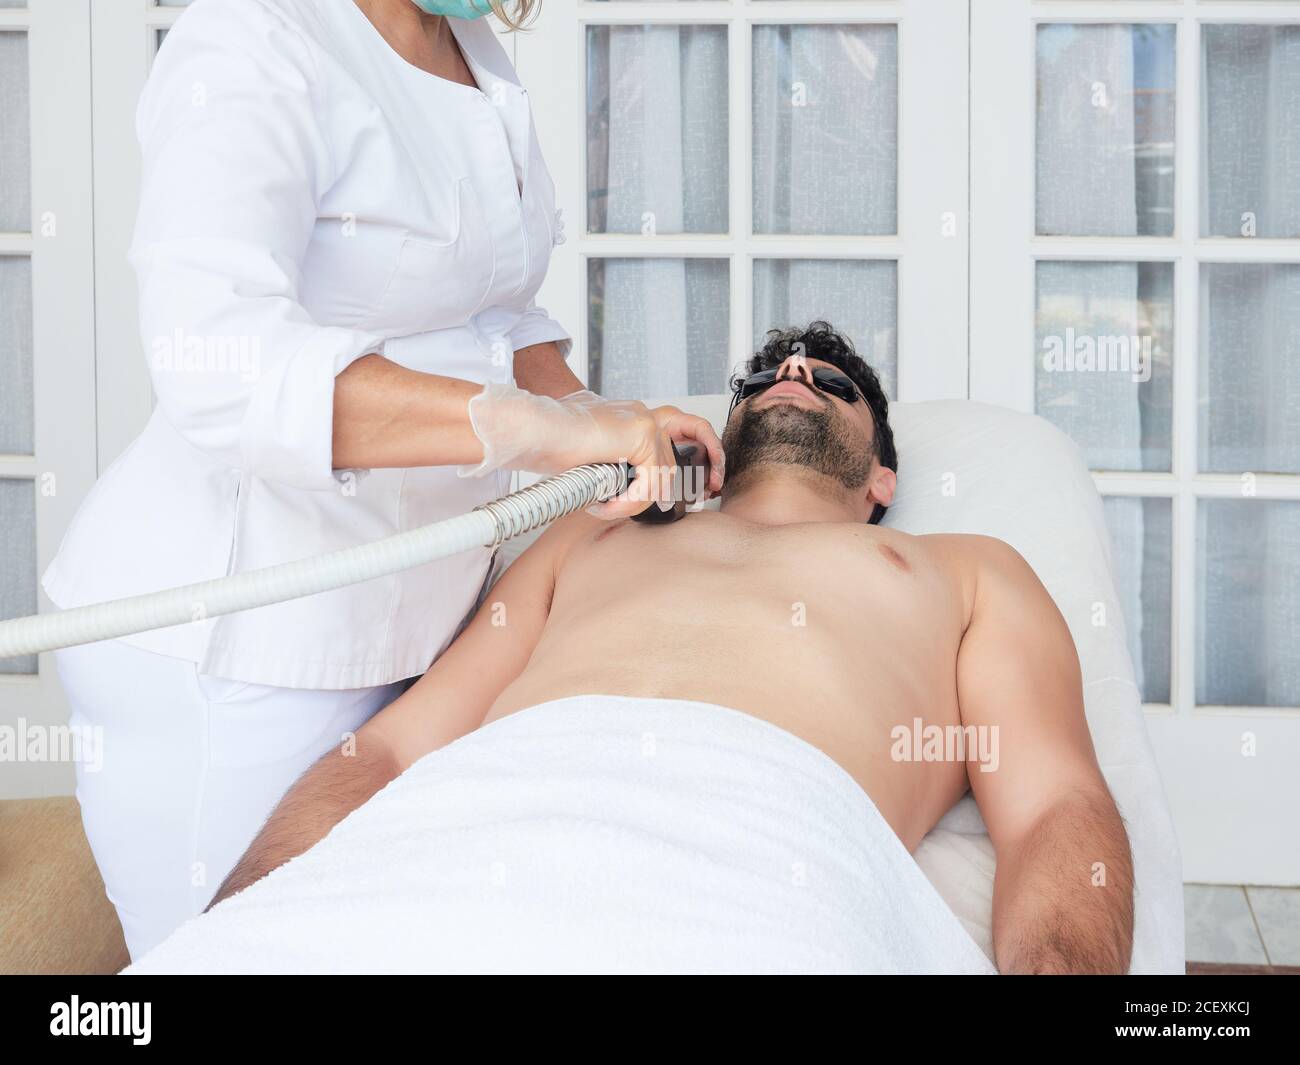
485,526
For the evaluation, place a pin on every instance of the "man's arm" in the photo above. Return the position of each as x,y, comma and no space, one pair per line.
448,702
1063,892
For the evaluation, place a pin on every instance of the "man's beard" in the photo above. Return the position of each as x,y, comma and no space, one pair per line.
786,434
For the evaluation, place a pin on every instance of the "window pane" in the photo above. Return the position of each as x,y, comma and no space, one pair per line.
1105,130
1141,538
16,427
657,327
1248,603
859,298
15,136
18,561
1250,149
825,129
1103,368
657,129
1249,417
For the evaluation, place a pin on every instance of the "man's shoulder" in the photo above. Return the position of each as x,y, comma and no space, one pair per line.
984,568
977,550
1000,578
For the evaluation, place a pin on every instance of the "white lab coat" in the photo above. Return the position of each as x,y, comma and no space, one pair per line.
309,197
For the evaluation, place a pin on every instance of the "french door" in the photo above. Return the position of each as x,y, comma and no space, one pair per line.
47,352
723,166
1135,206
1123,176
1132,172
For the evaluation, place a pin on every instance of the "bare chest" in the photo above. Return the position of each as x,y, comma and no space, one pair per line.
845,578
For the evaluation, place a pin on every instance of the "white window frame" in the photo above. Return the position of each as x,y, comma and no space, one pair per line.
1230,812
124,36
932,179
61,248
965,147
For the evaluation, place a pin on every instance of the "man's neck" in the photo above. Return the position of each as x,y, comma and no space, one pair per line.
786,495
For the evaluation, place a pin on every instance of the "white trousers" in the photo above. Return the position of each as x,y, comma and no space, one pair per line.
192,765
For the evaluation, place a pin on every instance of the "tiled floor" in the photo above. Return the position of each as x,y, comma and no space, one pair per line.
1242,925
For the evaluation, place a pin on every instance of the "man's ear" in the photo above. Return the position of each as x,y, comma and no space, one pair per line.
881,487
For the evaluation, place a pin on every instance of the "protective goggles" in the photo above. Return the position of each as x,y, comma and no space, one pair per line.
832,382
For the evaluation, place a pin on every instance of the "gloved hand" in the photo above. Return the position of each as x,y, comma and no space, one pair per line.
520,430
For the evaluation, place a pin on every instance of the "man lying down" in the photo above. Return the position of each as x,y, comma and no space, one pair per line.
677,747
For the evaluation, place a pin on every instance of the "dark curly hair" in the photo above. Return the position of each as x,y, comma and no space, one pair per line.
820,341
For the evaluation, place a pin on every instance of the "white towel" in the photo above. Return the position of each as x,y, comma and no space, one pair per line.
597,834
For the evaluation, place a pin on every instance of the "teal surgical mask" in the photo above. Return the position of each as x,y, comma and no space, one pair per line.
455,8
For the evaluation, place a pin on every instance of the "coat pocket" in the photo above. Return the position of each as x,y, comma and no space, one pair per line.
439,284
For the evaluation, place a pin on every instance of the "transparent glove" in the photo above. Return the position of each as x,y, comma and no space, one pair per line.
523,431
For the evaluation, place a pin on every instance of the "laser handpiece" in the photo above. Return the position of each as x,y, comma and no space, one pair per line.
691,485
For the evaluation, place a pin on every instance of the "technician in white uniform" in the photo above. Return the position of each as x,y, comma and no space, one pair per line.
344,218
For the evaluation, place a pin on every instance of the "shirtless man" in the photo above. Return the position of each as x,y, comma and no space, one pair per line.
792,605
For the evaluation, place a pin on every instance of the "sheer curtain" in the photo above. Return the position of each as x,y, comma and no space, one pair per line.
858,297
18,581
657,159
659,327
1087,185
1105,168
1248,558
17,496
825,129
15,139
825,162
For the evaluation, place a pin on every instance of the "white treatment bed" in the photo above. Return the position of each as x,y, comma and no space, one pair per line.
964,467
975,468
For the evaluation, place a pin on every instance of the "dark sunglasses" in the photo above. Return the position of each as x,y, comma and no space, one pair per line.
831,382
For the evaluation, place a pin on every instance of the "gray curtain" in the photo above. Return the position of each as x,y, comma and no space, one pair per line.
657,163
15,137
17,497
18,575
1248,550
825,162
1087,185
